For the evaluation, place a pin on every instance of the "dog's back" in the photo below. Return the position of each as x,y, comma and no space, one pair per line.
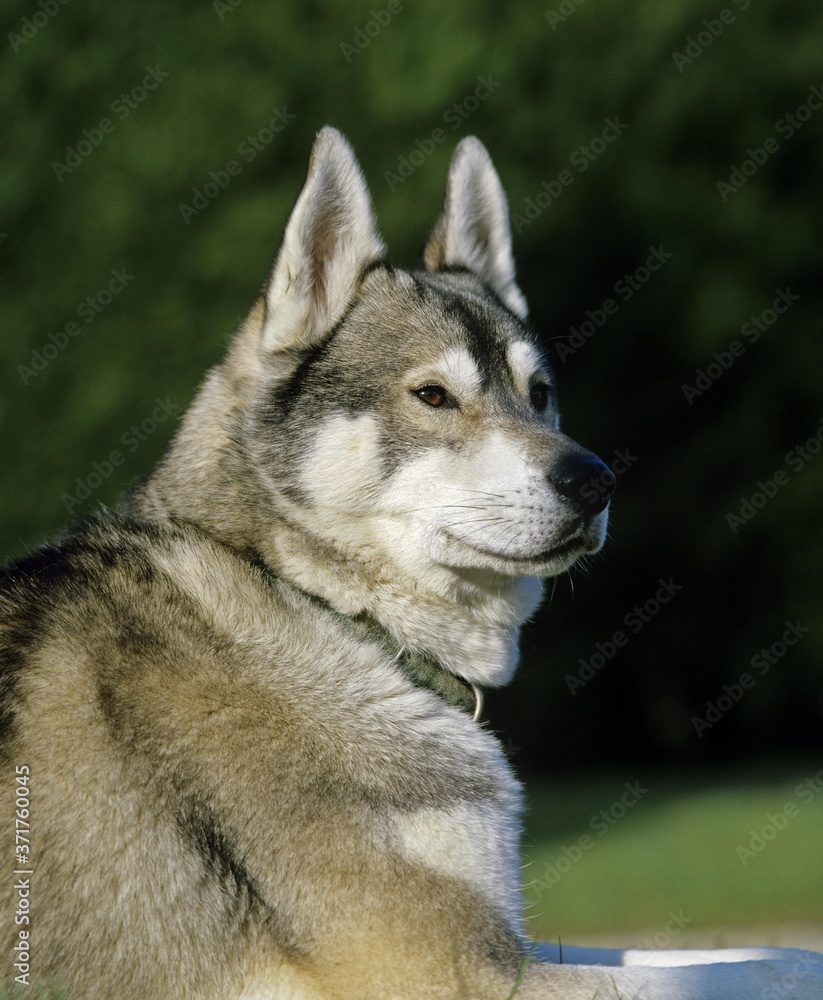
217,803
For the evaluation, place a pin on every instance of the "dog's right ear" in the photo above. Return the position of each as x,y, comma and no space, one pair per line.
330,238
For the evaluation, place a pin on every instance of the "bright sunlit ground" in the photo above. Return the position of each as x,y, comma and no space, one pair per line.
652,861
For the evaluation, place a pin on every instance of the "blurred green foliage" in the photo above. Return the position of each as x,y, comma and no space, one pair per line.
548,86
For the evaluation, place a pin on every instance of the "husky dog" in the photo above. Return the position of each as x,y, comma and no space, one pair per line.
242,715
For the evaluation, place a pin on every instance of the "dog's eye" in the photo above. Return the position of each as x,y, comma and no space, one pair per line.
434,395
539,396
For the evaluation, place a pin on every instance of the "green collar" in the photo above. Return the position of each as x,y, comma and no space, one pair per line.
423,671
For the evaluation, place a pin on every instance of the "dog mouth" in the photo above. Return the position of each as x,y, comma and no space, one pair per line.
572,547
577,544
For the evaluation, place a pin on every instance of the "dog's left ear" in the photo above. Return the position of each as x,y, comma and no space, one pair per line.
473,231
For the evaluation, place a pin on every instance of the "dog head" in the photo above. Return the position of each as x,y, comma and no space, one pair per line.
411,415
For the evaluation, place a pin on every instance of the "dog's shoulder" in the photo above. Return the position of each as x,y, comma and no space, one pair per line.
161,635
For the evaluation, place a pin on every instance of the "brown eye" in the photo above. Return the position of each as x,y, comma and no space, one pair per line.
434,395
539,396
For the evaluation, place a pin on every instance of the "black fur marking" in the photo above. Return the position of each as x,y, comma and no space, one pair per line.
380,264
454,269
420,286
460,269
487,347
133,637
28,589
487,343
200,830
56,581
15,648
109,706
286,393
50,565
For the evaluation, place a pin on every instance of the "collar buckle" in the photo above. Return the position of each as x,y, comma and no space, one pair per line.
477,691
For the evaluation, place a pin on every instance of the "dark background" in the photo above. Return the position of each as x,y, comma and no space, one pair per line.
548,86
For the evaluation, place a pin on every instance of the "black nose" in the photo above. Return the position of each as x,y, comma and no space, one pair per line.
585,481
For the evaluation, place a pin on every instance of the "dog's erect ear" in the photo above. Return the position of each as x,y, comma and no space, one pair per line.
330,238
473,230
